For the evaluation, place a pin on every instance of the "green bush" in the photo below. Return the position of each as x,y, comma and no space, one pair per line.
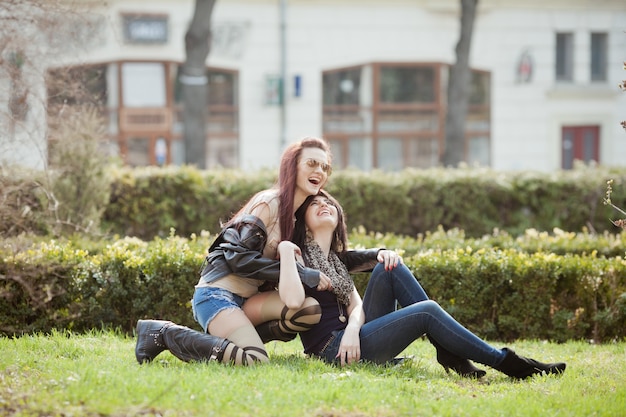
501,294
147,202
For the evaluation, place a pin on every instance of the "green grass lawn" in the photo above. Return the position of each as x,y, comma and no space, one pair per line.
97,375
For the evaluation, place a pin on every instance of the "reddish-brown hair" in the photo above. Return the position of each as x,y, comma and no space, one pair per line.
287,180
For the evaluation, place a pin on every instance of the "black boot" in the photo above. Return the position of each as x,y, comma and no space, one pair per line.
461,366
155,336
520,367
270,330
149,339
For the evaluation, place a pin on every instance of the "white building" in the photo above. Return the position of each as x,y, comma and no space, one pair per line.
369,76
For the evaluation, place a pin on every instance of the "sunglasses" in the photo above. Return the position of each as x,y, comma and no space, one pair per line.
314,163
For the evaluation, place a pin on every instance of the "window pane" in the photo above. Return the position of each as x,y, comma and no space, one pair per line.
390,155
598,56
336,149
479,151
178,152
564,56
222,88
568,149
480,89
589,148
407,85
477,121
143,84
423,153
138,153
221,153
342,87
360,153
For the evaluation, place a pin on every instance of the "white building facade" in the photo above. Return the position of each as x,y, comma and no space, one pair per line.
369,76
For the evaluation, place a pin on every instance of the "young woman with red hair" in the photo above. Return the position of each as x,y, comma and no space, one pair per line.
241,259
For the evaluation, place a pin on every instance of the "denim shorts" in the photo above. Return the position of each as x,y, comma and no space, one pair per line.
207,302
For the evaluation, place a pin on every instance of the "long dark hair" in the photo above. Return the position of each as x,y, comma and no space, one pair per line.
286,184
287,180
340,235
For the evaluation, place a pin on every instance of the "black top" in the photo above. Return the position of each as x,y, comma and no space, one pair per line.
314,339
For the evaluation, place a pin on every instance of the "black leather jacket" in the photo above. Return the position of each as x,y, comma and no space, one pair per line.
360,260
239,247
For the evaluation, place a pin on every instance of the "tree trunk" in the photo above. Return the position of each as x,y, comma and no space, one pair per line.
458,89
194,83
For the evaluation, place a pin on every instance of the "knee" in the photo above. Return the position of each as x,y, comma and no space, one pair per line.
312,305
309,313
431,306
378,272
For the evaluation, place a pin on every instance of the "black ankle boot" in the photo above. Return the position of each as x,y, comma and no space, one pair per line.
270,330
520,367
461,366
150,339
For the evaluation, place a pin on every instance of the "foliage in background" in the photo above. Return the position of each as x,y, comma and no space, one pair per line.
80,183
71,195
23,203
501,293
147,202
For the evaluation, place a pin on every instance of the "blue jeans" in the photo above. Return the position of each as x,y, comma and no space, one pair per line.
388,331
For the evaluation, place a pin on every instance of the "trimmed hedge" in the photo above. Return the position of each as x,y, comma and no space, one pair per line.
501,294
148,202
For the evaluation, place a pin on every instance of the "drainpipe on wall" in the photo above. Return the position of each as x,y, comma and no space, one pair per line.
283,74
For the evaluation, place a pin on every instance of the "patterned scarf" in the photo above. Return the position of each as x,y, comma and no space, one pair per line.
332,267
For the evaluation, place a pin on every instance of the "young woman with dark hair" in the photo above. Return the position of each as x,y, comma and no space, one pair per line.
241,259
371,329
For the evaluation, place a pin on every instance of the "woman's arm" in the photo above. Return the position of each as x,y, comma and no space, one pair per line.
238,249
350,347
290,288
366,260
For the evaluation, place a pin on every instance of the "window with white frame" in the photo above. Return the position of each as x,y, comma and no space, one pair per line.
599,47
565,57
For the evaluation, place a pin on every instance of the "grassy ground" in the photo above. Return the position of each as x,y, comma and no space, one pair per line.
97,375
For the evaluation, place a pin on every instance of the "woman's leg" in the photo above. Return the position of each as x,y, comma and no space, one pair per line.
386,289
155,336
218,311
233,324
385,337
274,321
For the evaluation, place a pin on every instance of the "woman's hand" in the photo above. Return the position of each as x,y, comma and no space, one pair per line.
288,248
390,258
325,284
350,347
